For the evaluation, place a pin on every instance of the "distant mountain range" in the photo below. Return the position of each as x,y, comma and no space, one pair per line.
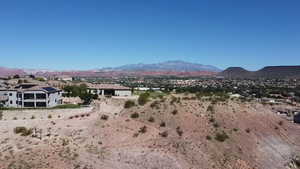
11,71
169,68
174,66
266,72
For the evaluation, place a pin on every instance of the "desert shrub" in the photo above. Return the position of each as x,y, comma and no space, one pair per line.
151,119
211,120
154,104
174,112
235,129
163,100
179,131
208,137
15,118
32,117
164,134
40,79
210,108
248,130
143,129
216,125
134,115
1,115
143,98
65,142
280,123
128,104
104,117
49,116
221,136
23,131
173,100
162,124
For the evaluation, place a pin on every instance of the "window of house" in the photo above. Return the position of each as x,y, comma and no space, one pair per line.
40,96
40,104
28,96
19,95
28,104
11,102
10,94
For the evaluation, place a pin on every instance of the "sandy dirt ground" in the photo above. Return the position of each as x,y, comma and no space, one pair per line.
165,135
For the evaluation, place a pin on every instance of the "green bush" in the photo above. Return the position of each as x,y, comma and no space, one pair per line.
134,115
210,108
174,112
143,98
179,131
151,119
174,99
208,137
23,131
154,104
129,104
143,129
104,117
162,124
221,136
216,125
164,134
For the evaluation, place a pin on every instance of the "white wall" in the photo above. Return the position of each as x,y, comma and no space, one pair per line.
12,100
123,92
54,99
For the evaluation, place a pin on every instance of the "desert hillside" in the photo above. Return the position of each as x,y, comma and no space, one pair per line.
171,132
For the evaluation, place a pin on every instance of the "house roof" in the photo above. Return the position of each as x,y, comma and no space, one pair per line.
31,87
108,86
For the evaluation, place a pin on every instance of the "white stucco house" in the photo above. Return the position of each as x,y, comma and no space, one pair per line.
30,96
109,90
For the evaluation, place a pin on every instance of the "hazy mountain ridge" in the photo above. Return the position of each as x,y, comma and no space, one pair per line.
169,68
176,66
11,71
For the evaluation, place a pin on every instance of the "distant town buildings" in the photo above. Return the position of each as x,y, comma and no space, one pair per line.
109,90
64,78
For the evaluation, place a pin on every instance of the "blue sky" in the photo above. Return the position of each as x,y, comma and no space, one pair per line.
88,34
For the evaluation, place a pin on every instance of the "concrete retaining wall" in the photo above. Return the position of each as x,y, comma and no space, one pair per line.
43,113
